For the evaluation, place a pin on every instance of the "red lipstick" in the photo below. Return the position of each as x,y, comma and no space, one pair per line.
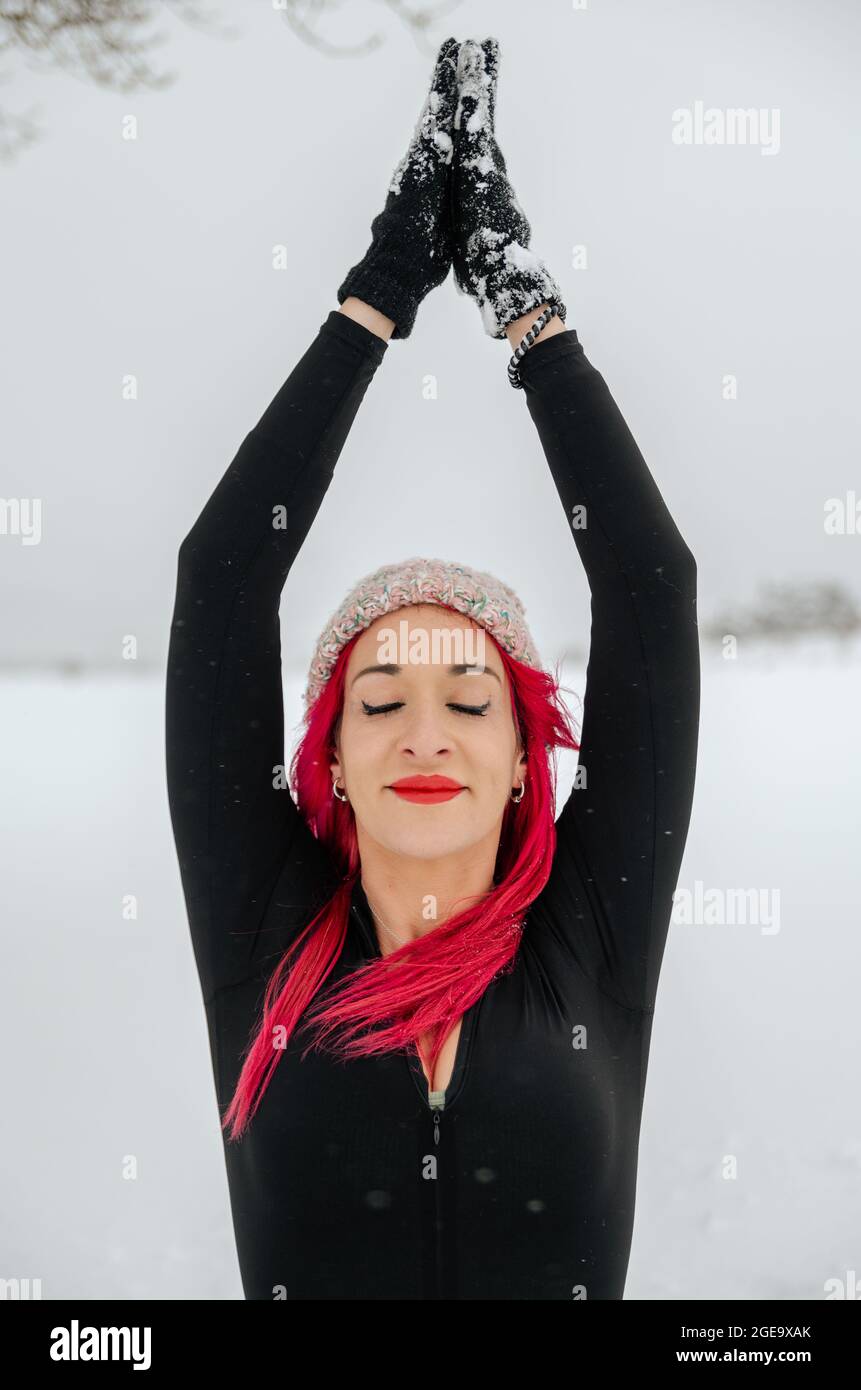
427,790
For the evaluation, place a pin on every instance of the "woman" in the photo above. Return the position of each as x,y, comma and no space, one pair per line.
429,1007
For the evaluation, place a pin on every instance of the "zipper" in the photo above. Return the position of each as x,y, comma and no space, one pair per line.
436,1101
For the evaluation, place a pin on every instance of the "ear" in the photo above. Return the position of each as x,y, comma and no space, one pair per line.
335,749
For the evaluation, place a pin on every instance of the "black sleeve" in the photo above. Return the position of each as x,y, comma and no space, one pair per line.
620,838
224,720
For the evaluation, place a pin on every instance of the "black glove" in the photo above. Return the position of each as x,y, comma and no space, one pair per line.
492,260
410,252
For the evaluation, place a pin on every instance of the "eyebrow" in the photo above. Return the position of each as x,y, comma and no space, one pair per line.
391,669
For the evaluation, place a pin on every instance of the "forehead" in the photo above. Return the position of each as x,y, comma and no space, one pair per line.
441,635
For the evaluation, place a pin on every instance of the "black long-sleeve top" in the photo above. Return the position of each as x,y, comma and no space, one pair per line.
536,1144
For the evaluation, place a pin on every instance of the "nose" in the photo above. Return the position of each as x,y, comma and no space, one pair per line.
424,737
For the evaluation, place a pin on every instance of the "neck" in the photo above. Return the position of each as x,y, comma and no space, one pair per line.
413,896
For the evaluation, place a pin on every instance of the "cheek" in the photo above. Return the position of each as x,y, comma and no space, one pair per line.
364,742
491,752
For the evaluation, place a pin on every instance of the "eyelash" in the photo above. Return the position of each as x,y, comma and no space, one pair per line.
477,710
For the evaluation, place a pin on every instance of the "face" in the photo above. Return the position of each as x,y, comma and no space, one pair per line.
419,718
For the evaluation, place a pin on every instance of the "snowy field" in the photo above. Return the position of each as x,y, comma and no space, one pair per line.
750,1161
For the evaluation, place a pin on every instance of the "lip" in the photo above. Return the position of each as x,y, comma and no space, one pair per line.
427,790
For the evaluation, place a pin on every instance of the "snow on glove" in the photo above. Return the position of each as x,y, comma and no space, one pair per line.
492,260
411,246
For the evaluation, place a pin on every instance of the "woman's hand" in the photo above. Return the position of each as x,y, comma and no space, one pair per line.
411,248
492,260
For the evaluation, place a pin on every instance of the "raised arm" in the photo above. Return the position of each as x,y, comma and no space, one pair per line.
233,825
621,836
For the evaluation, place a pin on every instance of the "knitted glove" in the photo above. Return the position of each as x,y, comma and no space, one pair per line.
410,250
492,260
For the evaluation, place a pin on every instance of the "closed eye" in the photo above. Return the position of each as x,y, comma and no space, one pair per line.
397,704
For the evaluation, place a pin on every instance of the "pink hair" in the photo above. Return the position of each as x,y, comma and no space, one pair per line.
442,973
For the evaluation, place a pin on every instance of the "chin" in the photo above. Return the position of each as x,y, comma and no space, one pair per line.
422,842
425,846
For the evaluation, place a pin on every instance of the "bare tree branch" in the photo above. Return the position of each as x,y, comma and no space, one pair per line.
16,132
303,15
110,42
104,40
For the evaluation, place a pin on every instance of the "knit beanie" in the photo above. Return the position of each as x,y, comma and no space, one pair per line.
478,595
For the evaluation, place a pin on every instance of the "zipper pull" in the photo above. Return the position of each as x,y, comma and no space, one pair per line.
436,1127
436,1100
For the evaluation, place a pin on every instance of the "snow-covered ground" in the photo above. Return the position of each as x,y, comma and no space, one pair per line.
111,1168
